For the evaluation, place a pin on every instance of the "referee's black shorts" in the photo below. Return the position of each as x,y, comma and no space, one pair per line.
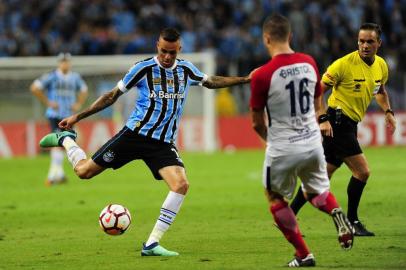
344,142
128,145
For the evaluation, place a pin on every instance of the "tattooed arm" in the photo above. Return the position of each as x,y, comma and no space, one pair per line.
214,82
102,102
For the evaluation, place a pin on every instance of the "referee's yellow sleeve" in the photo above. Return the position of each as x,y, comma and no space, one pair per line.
333,73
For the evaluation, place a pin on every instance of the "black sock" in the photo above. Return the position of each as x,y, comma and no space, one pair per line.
298,201
354,192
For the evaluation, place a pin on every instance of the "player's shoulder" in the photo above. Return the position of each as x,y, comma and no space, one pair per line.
349,58
183,62
380,60
145,63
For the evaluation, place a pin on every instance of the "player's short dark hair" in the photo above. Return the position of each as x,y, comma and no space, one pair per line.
170,34
277,26
373,27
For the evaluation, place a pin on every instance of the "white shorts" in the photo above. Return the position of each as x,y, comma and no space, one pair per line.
280,173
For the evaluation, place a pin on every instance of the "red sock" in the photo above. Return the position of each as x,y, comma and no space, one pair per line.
286,220
325,202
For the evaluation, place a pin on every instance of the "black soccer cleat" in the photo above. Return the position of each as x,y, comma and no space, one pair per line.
360,229
344,229
307,261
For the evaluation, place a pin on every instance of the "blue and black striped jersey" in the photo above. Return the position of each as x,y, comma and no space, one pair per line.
161,97
63,89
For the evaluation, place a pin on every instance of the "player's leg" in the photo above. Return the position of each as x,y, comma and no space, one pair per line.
316,185
279,179
56,173
166,164
175,177
333,163
287,223
360,174
84,168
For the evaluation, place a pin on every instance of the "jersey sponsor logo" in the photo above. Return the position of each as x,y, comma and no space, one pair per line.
294,71
165,95
357,87
108,156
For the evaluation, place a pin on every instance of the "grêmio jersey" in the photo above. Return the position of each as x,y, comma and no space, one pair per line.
286,87
161,97
63,89
354,83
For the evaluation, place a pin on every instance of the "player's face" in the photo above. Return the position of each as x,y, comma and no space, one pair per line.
167,52
368,44
64,66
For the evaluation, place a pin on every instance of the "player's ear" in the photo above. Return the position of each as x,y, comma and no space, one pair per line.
266,39
290,37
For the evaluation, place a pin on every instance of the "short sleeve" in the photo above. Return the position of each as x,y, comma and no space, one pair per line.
385,72
333,74
195,76
82,86
259,90
43,82
132,77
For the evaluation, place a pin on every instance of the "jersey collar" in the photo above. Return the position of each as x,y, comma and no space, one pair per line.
159,64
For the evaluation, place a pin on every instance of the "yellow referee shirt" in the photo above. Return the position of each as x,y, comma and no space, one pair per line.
354,83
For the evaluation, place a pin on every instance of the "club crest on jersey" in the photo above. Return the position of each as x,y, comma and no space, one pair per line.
108,156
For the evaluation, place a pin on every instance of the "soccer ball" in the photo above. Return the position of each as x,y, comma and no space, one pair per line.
114,219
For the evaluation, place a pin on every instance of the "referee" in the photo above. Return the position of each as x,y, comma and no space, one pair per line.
356,79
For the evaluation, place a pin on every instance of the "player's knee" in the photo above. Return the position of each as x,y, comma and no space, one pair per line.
364,175
181,186
83,172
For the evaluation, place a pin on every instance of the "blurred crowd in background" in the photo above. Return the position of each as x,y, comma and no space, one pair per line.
231,28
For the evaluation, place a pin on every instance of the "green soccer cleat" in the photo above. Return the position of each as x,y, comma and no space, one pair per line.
156,250
55,139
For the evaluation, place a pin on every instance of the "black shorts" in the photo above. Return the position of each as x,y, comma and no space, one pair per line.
53,123
344,142
128,145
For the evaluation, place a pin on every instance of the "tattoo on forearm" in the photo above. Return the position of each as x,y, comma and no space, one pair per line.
102,102
219,81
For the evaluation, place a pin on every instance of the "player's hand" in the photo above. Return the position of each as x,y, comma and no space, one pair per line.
390,122
326,129
52,104
68,122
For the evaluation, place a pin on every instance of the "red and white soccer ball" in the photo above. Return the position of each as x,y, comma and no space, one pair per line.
114,219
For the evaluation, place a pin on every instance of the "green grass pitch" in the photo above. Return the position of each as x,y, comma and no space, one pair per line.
224,222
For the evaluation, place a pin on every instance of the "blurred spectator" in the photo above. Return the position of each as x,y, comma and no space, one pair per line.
325,29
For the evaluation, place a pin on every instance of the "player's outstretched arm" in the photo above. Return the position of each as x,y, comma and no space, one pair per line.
102,102
214,82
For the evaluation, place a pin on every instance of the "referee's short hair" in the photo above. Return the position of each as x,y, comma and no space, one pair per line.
277,26
373,27
170,34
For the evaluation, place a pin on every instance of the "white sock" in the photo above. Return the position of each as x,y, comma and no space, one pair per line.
56,172
74,152
169,209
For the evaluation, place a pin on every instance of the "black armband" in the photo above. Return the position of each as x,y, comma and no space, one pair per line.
389,111
322,118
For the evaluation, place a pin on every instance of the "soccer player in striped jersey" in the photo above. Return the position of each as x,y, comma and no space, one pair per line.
163,83
286,91
63,92
355,79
